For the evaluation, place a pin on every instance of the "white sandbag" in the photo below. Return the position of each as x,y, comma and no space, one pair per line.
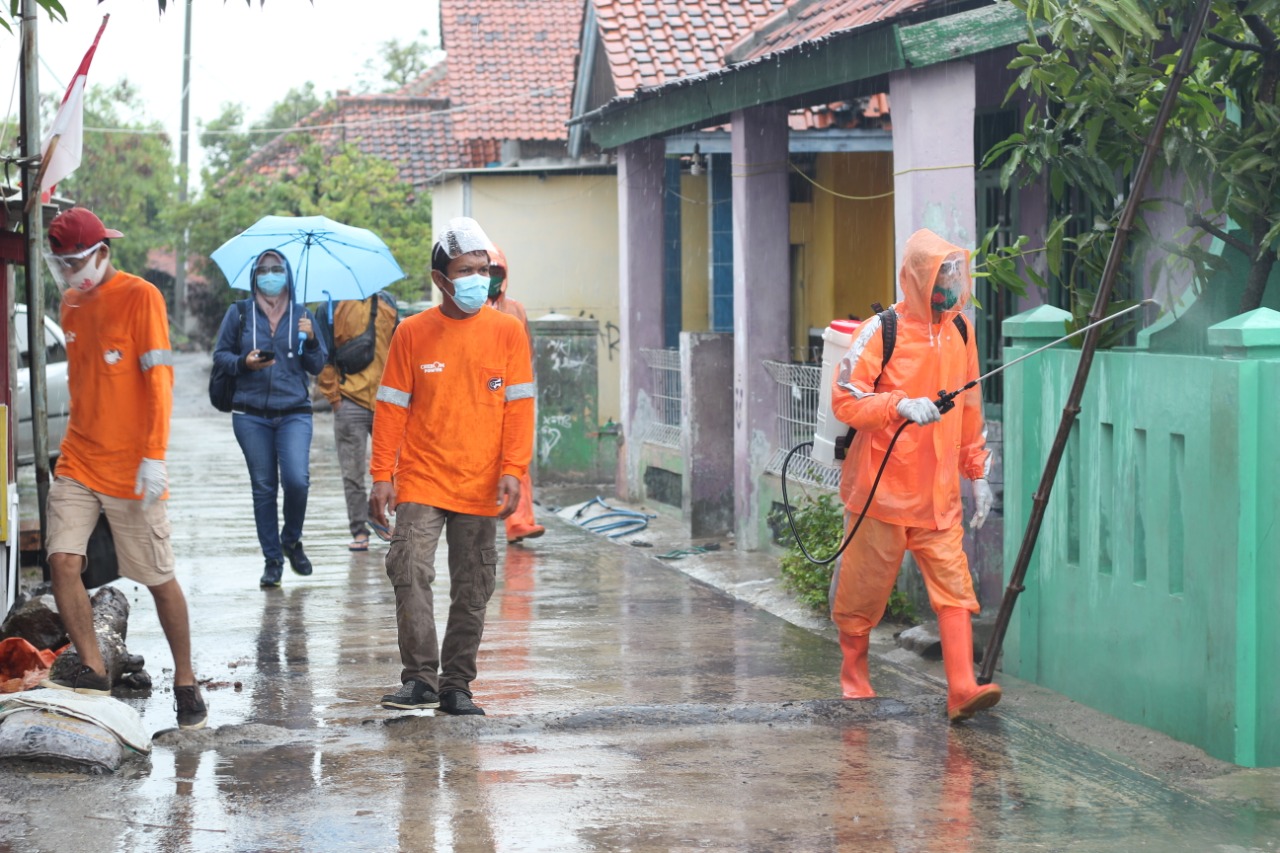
47,737
116,717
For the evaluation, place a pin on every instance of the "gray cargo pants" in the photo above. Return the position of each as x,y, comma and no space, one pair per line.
352,426
411,567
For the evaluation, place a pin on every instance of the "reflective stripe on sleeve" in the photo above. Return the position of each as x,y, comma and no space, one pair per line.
155,358
851,358
394,396
521,391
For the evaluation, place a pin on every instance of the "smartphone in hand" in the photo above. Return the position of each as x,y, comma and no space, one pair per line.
266,355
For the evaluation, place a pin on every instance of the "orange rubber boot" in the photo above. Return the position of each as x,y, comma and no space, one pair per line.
964,697
855,678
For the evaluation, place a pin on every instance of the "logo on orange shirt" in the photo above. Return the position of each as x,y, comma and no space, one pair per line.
433,367
495,383
112,356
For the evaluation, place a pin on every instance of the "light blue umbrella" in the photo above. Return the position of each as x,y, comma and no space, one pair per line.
329,260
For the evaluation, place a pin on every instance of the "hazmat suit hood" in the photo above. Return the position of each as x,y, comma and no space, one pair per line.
921,259
497,260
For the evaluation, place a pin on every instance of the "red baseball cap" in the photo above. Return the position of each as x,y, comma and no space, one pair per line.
77,229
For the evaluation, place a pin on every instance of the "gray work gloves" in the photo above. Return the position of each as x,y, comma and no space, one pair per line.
151,482
982,500
920,410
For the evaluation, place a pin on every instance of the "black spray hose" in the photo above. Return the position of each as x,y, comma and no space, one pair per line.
945,403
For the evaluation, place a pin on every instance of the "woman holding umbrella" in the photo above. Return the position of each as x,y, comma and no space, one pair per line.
269,344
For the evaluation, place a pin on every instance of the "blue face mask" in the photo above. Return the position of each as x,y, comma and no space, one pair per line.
470,292
271,283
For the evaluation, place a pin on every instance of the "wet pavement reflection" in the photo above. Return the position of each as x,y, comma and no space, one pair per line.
631,709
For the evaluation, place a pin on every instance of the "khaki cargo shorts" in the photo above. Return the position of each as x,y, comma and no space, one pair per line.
141,537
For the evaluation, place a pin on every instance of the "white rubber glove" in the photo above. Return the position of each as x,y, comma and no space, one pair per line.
920,410
151,482
982,500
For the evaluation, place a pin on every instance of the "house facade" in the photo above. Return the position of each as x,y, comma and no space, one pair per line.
510,85
1125,547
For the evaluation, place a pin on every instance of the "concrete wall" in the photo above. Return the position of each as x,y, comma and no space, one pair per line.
560,235
933,175
761,298
1152,590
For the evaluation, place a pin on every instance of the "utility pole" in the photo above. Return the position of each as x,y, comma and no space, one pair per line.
33,228
184,134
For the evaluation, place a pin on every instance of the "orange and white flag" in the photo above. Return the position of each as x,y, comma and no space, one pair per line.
64,143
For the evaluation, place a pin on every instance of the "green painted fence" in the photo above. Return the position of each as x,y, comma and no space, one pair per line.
1153,589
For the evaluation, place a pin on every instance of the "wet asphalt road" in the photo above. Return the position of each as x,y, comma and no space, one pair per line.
631,708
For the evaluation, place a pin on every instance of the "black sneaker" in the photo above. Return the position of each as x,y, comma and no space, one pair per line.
459,703
84,680
413,694
271,575
297,559
191,710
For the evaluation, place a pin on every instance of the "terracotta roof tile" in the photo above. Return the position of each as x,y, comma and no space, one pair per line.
652,42
414,133
806,20
511,66
648,43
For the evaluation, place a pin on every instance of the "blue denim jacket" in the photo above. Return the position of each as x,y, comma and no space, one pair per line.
283,386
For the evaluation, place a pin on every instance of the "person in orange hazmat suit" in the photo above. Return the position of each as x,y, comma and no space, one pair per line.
917,504
521,524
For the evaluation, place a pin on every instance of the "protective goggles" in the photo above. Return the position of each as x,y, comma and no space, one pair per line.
68,262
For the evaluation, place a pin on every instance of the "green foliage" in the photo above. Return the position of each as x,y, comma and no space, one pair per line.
820,524
128,179
52,8
1094,83
342,184
400,63
227,146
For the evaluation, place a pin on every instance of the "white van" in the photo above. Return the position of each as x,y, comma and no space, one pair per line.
59,398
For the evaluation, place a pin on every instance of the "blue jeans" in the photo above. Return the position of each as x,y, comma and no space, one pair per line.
277,451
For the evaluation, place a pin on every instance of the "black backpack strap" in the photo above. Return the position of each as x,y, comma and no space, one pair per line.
962,327
391,301
888,334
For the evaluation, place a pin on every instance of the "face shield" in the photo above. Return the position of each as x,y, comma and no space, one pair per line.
78,272
949,284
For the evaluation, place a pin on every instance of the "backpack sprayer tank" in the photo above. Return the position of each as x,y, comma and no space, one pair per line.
837,338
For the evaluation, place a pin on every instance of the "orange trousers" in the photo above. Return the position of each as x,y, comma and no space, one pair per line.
869,568
522,519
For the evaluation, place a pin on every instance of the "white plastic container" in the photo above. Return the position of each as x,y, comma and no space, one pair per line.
836,341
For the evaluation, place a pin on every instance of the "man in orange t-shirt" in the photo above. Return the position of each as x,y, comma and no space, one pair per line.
120,375
452,438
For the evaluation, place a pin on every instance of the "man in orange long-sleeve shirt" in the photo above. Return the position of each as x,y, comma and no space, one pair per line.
120,374
452,437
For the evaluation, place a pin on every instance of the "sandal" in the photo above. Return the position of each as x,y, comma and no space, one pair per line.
384,533
360,543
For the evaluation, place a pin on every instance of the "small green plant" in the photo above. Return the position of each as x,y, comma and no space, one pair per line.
820,525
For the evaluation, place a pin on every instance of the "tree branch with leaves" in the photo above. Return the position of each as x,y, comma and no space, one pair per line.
1093,72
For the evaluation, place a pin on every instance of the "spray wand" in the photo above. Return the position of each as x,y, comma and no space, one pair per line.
945,403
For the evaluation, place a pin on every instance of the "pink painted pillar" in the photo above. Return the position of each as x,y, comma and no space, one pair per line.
761,300
933,153
641,182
